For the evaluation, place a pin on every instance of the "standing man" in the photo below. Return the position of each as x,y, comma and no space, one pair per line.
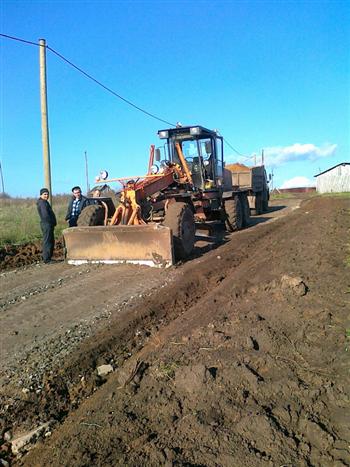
47,224
75,206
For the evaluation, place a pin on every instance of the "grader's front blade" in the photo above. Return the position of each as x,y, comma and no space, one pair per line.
139,244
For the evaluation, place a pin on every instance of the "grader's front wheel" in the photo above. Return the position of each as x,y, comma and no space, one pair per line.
179,218
91,215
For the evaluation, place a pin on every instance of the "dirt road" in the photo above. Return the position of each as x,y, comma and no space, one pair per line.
51,308
237,357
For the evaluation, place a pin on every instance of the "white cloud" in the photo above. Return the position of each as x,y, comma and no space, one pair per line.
279,155
275,156
297,182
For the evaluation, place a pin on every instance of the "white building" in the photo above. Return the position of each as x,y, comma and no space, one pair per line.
334,180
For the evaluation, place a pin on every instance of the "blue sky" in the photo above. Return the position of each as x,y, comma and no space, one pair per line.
272,75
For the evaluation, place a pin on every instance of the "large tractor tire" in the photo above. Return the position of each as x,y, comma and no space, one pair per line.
265,202
246,211
92,215
258,204
179,218
234,211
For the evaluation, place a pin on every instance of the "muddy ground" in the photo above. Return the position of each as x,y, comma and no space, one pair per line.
239,357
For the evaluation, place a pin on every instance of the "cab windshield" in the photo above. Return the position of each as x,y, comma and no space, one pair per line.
199,157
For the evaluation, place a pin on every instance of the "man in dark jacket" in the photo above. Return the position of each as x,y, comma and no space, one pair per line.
47,224
75,206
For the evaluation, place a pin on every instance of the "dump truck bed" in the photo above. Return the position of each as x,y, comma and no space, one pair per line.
251,178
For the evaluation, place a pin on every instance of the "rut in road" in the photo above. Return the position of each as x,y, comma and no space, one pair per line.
237,361
63,389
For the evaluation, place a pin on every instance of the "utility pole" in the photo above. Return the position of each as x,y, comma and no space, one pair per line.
2,180
262,157
87,174
44,117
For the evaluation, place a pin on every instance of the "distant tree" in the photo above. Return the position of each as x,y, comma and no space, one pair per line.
4,195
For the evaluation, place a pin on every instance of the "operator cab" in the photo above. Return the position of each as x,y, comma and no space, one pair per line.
202,150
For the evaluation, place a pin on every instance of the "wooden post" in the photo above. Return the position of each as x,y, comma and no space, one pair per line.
44,118
2,180
87,175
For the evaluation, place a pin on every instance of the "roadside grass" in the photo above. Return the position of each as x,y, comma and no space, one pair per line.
343,194
312,194
276,195
20,221
280,195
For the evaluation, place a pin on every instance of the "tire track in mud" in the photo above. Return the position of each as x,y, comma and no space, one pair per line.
42,283
139,332
154,315
127,334
193,387
73,304
58,395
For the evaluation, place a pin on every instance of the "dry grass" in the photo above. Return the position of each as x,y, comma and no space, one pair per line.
20,221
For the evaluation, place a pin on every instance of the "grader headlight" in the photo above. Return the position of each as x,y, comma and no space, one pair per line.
195,131
154,169
163,134
103,175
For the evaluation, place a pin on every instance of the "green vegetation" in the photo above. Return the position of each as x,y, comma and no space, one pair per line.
167,370
344,194
281,195
310,194
20,222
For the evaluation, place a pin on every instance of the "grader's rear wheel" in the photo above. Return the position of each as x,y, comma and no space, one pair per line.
234,211
91,215
246,211
265,202
258,204
179,218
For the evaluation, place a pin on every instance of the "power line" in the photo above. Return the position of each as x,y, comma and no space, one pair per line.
92,79
87,75
249,157
233,149
19,40
107,88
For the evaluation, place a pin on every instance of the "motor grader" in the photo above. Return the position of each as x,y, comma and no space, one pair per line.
155,219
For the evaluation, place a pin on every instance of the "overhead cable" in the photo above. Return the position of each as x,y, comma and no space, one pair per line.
91,78
20,40
106,87
235,150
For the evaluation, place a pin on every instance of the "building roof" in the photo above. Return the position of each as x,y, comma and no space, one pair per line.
331,168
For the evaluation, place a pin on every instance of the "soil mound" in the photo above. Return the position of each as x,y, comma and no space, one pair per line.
14,256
